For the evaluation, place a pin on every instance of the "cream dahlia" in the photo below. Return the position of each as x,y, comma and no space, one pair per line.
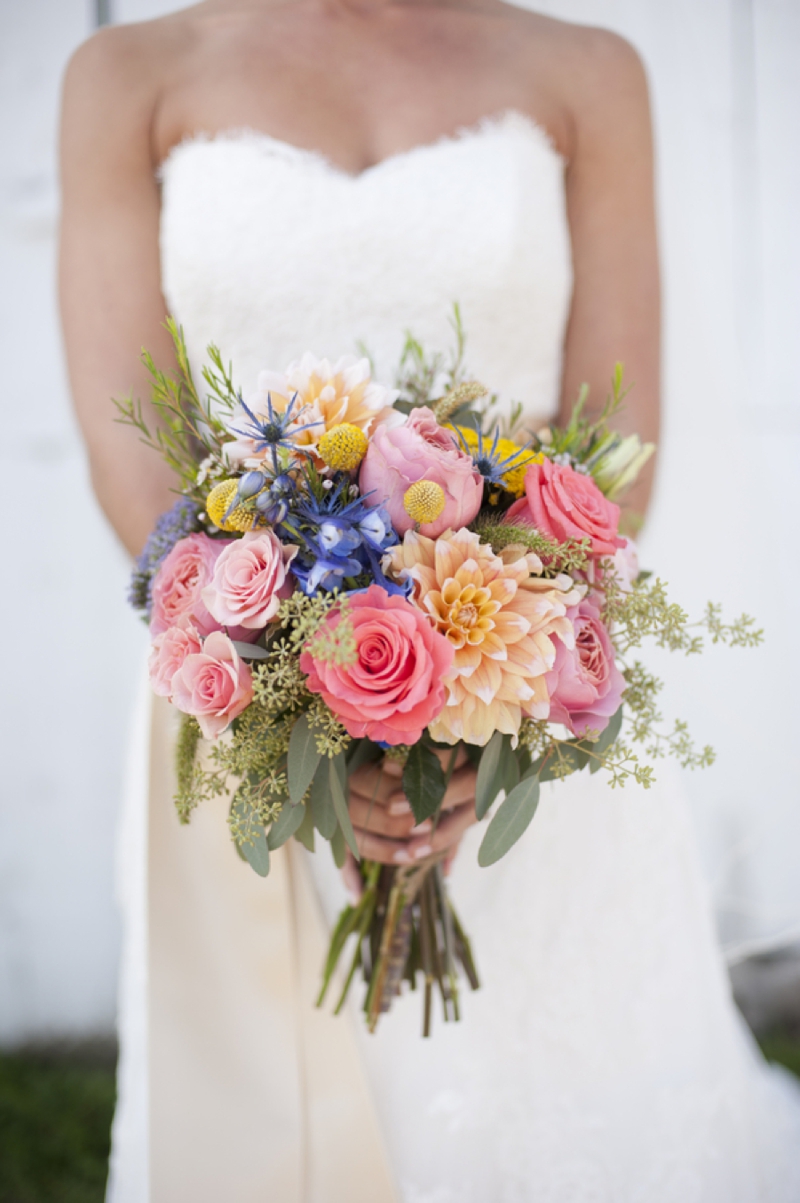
500,617
327,395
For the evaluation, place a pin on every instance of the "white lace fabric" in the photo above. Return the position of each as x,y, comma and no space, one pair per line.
603,1060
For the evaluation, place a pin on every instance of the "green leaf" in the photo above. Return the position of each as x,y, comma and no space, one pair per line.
321,802
338,847
303,759
510,767
606,739
512,818
489,781
252,841
285,825
305,832
423,782
340,806
567,759
362,752
250,651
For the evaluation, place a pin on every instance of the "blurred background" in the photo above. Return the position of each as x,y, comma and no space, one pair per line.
725,523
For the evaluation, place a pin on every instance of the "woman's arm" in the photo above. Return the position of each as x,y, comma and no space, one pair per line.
610,198
110,293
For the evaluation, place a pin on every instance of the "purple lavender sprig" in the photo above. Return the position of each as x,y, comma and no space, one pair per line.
181,520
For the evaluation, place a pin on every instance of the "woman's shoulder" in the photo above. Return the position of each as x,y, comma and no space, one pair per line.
591,77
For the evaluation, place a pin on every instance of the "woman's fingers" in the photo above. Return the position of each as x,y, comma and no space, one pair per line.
448,831
381,821
388,852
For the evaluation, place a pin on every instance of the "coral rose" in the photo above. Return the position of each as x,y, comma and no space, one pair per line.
420,450
179,583
394,688
565,504
585,684
214,685
167,654
250,579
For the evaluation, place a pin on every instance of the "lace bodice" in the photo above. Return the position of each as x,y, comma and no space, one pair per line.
270,251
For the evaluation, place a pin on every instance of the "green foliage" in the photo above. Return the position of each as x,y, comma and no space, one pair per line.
512,819
183,428
423,782
186,745
489,780
419,373
570,557
303,758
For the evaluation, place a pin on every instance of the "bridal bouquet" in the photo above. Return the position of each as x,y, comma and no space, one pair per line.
354,572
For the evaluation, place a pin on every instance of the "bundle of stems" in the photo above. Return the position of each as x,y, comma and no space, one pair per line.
405,928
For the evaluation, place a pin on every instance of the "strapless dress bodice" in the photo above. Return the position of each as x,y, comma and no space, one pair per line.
269,251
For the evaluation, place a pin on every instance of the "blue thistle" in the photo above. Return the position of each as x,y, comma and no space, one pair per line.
273,431
488,462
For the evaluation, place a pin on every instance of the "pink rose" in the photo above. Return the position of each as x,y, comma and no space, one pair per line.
180,581
167,654
250,579
394,688
625,565
420,450
585,685
214,685
565,504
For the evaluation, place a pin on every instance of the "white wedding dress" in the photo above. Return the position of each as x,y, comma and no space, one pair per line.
603,1060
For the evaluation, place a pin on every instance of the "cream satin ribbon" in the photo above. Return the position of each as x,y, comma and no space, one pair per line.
255,1095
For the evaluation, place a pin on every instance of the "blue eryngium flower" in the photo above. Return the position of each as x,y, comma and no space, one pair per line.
340,537
181,520
273,432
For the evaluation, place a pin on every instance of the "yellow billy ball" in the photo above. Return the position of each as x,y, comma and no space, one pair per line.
217,503
424,501
343,447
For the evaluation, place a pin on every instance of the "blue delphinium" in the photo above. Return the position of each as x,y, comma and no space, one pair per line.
341,538
181,520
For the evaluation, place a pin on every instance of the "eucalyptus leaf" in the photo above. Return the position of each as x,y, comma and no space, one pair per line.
558,764
489,781
361,753
285,825
510,768
512,818
340,806
250,838
338,847
606,739
305,832
250,651
321,801
303,758
256,853
423,782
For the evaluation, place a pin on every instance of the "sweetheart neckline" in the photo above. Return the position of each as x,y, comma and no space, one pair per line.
488,125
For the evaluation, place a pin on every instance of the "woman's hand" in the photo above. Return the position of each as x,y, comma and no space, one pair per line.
383,820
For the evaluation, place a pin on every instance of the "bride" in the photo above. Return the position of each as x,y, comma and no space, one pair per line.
317,175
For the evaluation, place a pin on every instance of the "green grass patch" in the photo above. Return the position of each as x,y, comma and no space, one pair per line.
55,1122
783,1047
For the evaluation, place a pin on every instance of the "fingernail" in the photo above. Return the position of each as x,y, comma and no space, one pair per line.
422,828
422,851
401,857
400,807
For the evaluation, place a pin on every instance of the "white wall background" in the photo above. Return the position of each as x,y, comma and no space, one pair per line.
725,525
